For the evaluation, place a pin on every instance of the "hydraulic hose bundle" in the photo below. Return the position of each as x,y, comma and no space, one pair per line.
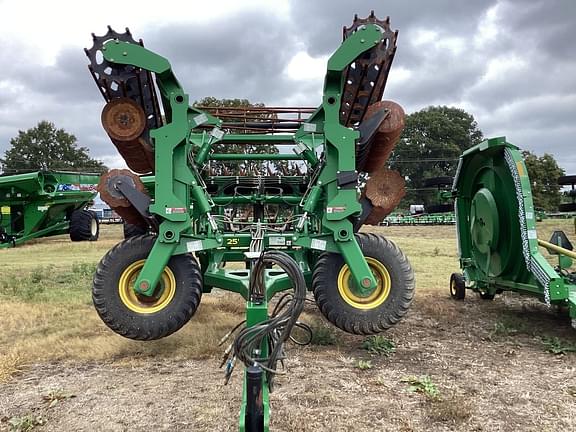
269,335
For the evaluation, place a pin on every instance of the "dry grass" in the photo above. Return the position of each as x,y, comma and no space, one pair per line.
49,332
9,365
453,410
47,313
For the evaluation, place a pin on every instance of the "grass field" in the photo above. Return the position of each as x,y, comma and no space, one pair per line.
47,312
47,318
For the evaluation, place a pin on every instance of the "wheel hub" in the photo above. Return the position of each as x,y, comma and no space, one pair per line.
161,297
485,231
94,227
360,297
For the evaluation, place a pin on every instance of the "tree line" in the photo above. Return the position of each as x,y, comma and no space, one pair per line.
432,141
47,148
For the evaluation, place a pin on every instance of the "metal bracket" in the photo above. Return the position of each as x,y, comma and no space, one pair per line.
139,200
368,128
347,179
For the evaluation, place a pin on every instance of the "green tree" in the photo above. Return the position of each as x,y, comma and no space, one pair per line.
544,173
212,102
219,108
430,145
46,148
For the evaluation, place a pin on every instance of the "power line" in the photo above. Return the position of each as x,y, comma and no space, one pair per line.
421,160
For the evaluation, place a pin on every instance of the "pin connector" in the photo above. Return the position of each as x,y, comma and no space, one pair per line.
229,369
226,355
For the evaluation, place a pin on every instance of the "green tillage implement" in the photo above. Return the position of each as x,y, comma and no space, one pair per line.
46,203
148,287
496,224
420,219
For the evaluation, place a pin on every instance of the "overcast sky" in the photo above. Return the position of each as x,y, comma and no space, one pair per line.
510,63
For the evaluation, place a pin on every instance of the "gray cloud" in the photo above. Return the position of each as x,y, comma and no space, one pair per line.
243,58
318,22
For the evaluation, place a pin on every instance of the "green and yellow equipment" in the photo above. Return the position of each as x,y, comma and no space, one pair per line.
497,239
47,203
291,217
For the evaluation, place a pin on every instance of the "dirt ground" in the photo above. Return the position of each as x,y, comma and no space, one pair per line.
488,360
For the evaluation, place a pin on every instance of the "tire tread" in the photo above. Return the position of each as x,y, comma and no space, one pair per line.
324,280
145,326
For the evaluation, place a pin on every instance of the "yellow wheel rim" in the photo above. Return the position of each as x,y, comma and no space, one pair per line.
162,296
353,296
453,287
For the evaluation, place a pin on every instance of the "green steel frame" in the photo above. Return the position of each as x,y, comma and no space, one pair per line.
39,204
255,314
186,210
496,223
180,187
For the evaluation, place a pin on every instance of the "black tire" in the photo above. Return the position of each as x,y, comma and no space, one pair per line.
84,226
457,286
568,207
389,306
131,230
129,317
438,181
486,295
567,180
440,208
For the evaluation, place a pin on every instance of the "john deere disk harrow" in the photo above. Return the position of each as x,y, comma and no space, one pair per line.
223,193
42,204
497,231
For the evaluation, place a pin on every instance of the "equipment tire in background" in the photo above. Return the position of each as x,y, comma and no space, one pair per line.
457,286
568,207
335,295
438,181
84,226
131,230
567,180
486,295
138,317
440,208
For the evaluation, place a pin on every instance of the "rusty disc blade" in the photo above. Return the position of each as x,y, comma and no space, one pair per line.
116,200
131,216
137,154
113,197
387,136
123,119
385,189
